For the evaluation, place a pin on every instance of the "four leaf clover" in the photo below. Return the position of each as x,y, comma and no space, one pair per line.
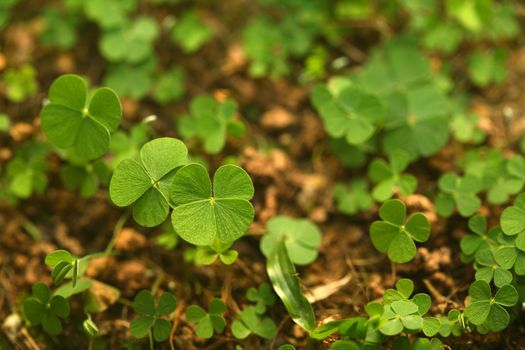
224,210
42,308
70,120
395,237
207,322
144,303
145,182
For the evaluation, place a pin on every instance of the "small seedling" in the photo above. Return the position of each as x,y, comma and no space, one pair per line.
5,122
249,322
458,192
396,237
207,255
390,178
488,311
132,80
211,121
127,145
26,172
465,128
472,244
42,308
207,322
70,120
145,182
21,83
513,223
169,86
152,319
354,198
488,67
301,238
262,297
62,262
488,269
190,32
224,210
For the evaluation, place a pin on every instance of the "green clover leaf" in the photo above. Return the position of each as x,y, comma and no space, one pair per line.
301,238
42,308
262,297
224,210
353,198
485,310
145,183
481,239
207,322
70,120
458,192
151,320
395,237
508,255
390,178
513,221
488,269
190,32
248,322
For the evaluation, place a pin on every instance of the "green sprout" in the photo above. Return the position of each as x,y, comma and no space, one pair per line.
20,83
224,210
26,172
488,67
396,237
353,198
5,122
262,297
487,311
169,86
152,321
458,192
250,322
301,238
390,178
45,309
207,255
85,177
207,323
70,120
145,182
211,121
190,32
513,223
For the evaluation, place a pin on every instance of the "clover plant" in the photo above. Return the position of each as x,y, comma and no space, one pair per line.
390,178
210,122
488,67
85,177
472,244
42,308
132,80
20,83
207,255
207,323
108,14
190,32
26,172
223,209
262,297
152,321
128,144
513,223
301,238
5,122
71,120
59,29
169,86
465,128
145,182
394,235
353,198
250,322
489,312
458,192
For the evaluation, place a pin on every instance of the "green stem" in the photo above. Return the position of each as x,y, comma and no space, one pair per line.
33,231
150,341
118,227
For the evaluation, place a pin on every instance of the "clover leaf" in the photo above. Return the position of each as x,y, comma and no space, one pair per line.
20,83
508,255
70,120
42,308
301,238
223,210
262,297
248,322
145,182
353,198
472,244
389,176
488,311
487,269
151,320
351,113
485,68
210,121
458,192
207,322
513,221
190,32
396,237
207,255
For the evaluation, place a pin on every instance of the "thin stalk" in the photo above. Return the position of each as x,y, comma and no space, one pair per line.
150,341
118,227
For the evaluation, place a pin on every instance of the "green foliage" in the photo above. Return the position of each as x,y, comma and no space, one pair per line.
62,263
210,122
286,347
131,43
513,221
390,178
127,145
169,86
132,80
145,182
403,343
152,315
5,122
396,237
71,120
190,32
300,236
262,297
20,83
458,192
108,14
353,198
250,322
59,29
85,177
488,67
207,255
224,210
490,312
283,276
207,322
43,308
26,172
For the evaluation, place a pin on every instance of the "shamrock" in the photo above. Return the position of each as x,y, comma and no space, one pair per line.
262,297
471,244
144,303
354,198
513,221
249,321
42,308
207,322
458,192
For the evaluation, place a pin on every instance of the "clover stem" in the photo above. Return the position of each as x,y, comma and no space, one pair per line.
150,341
118,227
